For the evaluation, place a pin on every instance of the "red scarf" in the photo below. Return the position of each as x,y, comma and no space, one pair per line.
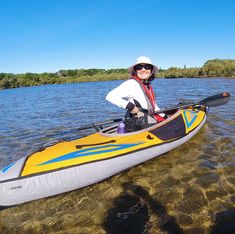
147,87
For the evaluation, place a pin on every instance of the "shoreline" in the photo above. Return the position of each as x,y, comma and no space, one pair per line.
90,81
215,68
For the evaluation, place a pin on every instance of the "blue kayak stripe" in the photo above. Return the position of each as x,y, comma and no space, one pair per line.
7,167
86,152
191,121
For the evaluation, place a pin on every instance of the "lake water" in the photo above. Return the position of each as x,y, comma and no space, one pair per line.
188,190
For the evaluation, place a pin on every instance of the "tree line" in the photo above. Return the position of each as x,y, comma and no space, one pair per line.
212,68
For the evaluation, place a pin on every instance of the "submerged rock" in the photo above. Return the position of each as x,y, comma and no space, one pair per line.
207,179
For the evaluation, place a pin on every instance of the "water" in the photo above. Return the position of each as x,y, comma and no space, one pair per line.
188,190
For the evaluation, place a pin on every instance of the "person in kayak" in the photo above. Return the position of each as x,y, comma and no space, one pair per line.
136,93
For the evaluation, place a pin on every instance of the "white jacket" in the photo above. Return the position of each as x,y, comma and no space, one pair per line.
127,92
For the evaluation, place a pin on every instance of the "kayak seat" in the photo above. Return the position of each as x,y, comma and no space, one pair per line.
135,123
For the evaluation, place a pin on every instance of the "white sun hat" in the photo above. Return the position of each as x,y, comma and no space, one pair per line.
143,60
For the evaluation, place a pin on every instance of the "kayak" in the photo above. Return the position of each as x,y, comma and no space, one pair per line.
70,165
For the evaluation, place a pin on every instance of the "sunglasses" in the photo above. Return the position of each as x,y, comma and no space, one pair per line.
145,66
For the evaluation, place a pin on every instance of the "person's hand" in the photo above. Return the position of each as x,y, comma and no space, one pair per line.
135,110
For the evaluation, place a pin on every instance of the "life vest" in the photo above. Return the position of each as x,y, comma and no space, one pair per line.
150,97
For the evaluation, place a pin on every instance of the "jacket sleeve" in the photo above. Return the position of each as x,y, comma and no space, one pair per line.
120,95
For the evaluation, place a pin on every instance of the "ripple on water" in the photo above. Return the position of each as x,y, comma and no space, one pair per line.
206,179
192,200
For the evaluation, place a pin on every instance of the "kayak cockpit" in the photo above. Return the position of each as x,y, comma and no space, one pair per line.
113,129
176,119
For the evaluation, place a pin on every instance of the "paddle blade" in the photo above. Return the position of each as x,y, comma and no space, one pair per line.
215,100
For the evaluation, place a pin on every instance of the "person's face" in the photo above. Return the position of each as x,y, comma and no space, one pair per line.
143,71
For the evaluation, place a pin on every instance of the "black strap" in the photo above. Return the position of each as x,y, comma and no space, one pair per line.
100,143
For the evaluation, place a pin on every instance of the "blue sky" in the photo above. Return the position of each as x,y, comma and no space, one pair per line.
49,35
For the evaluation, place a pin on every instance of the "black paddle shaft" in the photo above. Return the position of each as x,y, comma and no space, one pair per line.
94,125
215,100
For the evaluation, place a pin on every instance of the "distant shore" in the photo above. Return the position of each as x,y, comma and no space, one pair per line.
220,68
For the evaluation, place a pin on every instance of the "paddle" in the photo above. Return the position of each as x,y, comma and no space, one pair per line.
211,101
93,125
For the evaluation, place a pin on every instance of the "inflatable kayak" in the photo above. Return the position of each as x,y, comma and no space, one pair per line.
74,164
